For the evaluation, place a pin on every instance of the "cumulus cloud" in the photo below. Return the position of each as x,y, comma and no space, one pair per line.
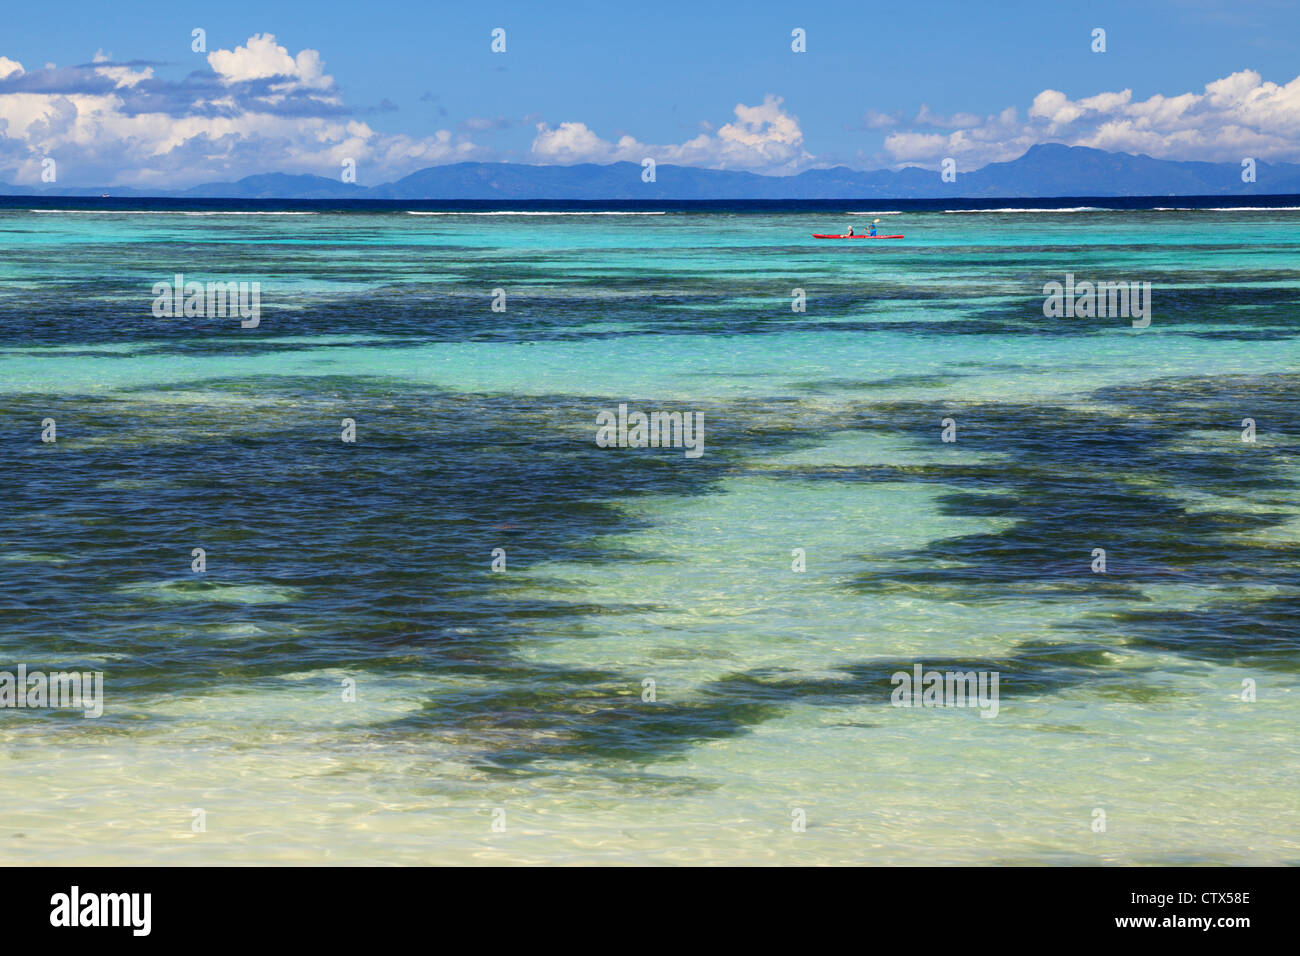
260,109
120,75
264,59
1238,115
762,138
571,143
992,139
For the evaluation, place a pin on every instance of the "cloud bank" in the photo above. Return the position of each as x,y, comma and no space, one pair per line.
762,138
260,108
1237,116
257,109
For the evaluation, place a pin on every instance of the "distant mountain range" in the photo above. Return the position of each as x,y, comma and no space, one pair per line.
1044,171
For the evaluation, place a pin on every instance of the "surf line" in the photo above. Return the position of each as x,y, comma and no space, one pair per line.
626,429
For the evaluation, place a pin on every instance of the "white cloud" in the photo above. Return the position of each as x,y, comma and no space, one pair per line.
261,110
571,143
1236,116
761,138
915,146
262,59
124,75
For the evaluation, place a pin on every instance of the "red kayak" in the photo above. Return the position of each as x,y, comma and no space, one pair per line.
816,235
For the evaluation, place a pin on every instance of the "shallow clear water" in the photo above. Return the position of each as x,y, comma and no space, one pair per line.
522,690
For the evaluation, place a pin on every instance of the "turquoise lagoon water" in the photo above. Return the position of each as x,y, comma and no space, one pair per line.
518,695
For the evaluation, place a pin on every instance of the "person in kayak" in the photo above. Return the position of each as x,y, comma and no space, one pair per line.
873,228
850,232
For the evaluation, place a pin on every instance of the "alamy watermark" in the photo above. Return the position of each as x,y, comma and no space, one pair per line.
1101,300
130,910
624,429
923,688
213,300
57,690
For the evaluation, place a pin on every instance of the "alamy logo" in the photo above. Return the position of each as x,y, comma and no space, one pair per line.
57,690
923,688
103,909
656,430
1099,300
214,300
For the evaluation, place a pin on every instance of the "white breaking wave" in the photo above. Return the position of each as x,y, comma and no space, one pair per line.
234,213
1031,209
891,213
411,212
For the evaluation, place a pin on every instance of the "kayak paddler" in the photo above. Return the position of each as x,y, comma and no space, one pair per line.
873,227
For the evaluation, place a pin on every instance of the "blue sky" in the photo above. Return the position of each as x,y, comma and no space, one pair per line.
114,93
